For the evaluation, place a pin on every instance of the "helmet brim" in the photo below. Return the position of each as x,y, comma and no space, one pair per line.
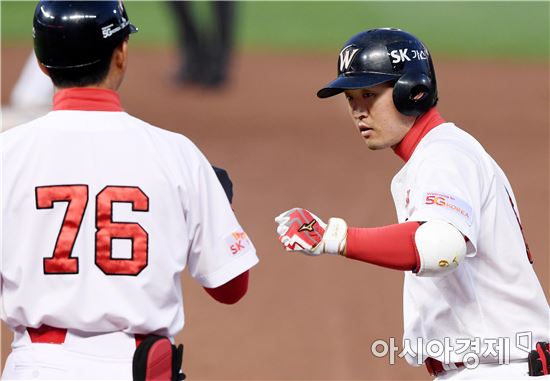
355,81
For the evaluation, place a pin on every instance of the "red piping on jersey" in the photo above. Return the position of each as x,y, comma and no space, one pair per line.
391,246
87,99
420,128
232,291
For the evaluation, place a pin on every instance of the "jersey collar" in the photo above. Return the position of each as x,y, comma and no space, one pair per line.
420,128
86,99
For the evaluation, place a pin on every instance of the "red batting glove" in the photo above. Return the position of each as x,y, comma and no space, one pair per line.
301,230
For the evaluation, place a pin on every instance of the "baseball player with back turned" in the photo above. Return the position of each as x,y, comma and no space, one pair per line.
470,288
101,212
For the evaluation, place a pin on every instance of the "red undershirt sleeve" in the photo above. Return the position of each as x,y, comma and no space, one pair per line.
232,291
389,246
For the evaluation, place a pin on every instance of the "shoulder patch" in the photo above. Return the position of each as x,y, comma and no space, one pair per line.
238,242
449,202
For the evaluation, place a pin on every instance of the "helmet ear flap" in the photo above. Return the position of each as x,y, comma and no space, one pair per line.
414,94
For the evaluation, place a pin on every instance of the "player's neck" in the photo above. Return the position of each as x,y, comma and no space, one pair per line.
112,80
108,83
424,124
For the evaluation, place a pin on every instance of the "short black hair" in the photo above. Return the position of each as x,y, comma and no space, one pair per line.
81,76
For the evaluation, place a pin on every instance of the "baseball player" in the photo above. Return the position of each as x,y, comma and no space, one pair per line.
101,212
204,48
470,288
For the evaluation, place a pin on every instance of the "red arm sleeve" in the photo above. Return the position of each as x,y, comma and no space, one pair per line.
389,246
232,291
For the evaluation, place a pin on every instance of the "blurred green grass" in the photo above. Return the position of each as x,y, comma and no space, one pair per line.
456,29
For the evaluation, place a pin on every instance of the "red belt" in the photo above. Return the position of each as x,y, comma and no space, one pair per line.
436,368
51,335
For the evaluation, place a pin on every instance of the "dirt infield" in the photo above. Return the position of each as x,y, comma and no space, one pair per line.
316,318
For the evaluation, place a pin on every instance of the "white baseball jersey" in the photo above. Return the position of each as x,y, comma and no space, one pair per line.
494,294
101,212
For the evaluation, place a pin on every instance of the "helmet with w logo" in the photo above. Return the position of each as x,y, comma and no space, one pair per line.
384,55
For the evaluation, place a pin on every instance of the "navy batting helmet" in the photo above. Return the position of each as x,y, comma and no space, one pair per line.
72,34
382,55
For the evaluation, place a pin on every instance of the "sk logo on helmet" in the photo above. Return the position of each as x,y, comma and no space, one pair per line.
346,56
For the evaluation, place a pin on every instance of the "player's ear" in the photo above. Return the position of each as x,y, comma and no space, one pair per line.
120,54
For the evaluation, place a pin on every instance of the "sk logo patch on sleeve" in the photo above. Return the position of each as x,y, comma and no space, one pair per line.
238,242
450,203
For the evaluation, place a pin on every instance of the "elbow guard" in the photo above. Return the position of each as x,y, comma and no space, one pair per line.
440,246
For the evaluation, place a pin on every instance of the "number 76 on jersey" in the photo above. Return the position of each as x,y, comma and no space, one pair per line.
76,196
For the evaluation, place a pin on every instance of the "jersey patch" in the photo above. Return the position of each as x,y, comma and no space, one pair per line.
451,203
238,242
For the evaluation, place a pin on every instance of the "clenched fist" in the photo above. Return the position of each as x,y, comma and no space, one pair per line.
300,230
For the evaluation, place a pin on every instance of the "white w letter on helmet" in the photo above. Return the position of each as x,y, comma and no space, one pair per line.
346,56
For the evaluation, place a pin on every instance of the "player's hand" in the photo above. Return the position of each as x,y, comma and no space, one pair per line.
300,230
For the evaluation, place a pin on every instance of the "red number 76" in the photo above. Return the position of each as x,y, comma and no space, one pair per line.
106,229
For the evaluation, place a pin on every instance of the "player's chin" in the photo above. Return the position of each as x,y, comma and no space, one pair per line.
373,144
